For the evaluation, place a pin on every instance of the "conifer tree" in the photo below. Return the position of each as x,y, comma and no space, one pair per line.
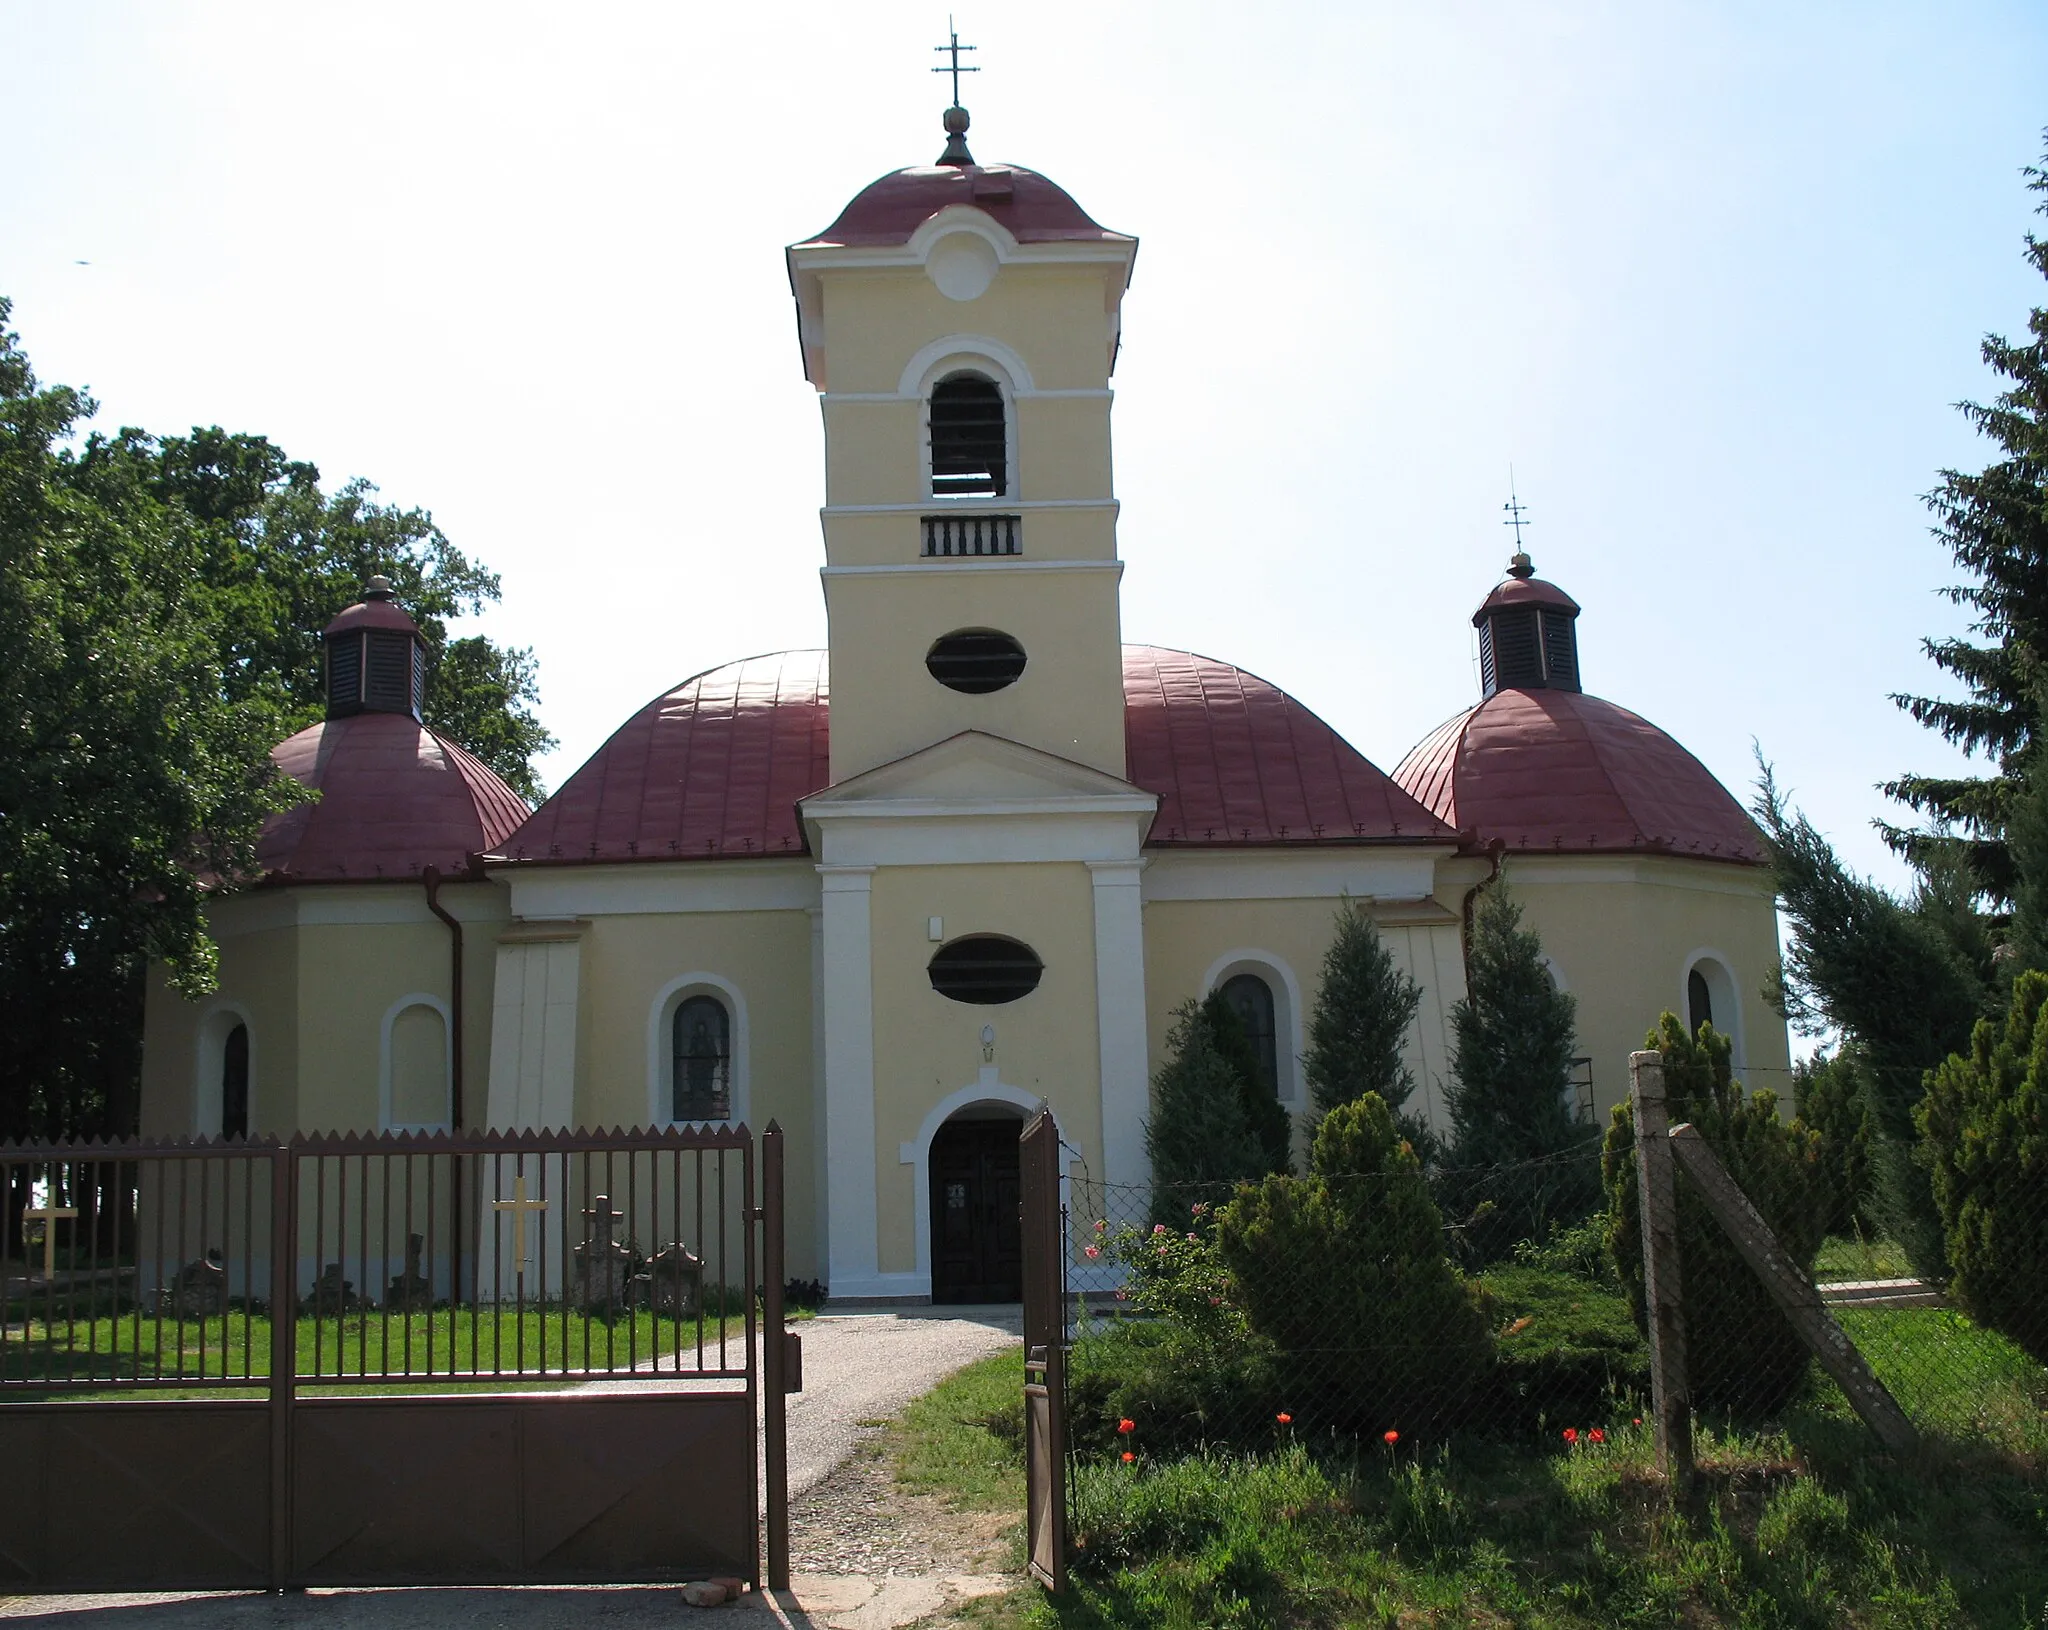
1362,1013
1199,1132
1264,1115
1513,1039
1995,524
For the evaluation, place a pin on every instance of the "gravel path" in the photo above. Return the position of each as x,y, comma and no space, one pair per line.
866,1366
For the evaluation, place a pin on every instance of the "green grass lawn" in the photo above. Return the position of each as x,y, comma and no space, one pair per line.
1805,1524
360,1346
1861,1259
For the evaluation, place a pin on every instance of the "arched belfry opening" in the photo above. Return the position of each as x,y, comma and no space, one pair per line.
977,1240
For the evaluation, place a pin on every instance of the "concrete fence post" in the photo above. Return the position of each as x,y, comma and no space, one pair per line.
1657,1190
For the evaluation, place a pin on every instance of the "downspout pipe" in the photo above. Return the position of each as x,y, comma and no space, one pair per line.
430,877
1494,853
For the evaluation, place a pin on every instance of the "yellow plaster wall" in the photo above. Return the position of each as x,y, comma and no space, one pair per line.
351,973
928,1047
885,704
1621,930
627,960
259,972
1052,316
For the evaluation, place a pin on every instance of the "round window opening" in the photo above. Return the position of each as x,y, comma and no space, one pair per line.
975,660
986,969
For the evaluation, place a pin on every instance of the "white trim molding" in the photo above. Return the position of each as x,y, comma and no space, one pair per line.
210,1038
1287,1013
392,1014
660,1059
929,363
848,1131
917,1154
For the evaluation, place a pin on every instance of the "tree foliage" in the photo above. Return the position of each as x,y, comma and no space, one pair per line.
161,600
1271,1127
1995,524
281,558
1343,1274
1361,1018
1906,981
1200,1138
1741,1354
1985,1122
1514,1135
131,769
1831,1094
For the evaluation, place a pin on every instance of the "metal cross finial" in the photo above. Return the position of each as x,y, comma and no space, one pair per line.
954,48
1516,510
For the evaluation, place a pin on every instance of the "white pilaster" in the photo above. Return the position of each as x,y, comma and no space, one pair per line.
821,1231
849,1125
533,1032
1120,1018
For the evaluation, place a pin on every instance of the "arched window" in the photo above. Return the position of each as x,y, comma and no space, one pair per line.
1699,1002
702,1052
418,1067
1251,999
969,438
234,1083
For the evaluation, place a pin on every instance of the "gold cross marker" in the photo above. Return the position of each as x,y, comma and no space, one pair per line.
47,1215
519,1205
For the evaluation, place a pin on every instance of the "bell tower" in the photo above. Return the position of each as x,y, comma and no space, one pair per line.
960,322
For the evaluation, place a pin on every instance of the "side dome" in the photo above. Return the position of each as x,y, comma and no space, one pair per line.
1540,765
394,798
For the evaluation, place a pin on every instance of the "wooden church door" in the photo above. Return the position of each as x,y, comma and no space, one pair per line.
977,1238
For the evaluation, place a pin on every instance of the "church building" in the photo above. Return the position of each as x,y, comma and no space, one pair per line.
896,893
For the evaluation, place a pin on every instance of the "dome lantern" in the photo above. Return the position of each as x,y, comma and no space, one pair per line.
375,656
1528,633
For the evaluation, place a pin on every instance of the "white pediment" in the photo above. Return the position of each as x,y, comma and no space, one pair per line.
975,773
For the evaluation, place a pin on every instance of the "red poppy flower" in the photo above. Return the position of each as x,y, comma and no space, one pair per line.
1284,1418
1597,1435
1127,1426
1571,1434
1639,1420
1129,1457
1390,1437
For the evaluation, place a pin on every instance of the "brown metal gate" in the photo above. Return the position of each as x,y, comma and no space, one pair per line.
1045,1354
486,1383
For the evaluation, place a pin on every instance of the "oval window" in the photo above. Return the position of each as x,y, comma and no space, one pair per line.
986,968
975,660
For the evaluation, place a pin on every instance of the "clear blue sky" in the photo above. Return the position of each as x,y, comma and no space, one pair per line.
1710,276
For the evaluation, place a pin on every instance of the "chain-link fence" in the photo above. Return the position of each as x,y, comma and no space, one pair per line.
1411,1305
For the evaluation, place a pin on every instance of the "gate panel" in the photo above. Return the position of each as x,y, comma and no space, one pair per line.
504,1490
1045,1353
134,1496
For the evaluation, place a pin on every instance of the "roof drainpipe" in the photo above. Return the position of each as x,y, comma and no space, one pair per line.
430,876
1494,853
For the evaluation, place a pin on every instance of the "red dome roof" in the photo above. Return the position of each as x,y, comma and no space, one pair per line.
394,797
1560,771
1524,591
1235,760
1030,208
717,766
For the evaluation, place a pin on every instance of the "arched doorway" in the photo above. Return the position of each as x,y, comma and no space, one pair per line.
977,1238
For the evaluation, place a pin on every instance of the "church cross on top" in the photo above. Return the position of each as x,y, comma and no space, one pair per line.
1516,510
954,48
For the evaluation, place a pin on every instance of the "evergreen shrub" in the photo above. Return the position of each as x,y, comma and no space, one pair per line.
1342,1276
1201,1137
1742,1356
1984,1123
1519,1163
1361,1018
1831,1095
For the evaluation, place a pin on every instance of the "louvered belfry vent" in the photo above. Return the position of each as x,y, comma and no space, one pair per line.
1528,634
376,660
970,440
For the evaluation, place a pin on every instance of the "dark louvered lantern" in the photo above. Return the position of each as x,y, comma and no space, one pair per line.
376,659
1528,638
